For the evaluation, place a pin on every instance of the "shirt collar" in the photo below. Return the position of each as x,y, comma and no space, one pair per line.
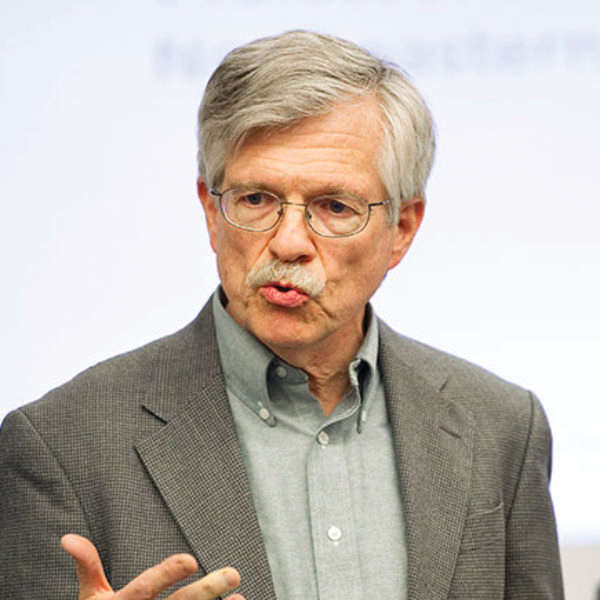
246,362
363,371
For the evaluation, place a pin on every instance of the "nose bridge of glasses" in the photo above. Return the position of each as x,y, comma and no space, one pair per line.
303,206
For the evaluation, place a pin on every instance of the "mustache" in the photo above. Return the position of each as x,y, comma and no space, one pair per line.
293,274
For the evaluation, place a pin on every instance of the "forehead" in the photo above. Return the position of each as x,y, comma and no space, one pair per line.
337,149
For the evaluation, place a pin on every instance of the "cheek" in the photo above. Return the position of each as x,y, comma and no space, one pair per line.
368,268
356,270
237,253
370,258
228,257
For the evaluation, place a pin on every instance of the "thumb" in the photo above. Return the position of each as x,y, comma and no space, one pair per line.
90,573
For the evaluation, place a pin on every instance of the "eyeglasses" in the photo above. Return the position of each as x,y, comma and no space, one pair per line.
328,216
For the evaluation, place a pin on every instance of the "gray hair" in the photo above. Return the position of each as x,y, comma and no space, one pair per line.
276,82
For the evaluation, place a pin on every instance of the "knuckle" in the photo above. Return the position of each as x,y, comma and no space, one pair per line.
175,567
210,588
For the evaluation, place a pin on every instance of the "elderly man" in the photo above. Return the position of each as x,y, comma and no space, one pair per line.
287,432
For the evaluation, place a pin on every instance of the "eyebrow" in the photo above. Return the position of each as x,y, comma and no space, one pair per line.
333,190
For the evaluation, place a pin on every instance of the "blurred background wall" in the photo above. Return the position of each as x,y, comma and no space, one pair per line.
102,239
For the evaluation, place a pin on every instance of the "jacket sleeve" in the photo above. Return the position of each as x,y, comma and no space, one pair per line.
532,555
37,506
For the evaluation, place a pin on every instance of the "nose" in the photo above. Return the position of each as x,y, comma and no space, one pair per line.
292,239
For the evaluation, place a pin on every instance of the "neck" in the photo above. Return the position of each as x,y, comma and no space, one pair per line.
326,367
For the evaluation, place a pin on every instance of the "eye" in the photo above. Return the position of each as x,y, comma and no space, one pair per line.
338,208
253,199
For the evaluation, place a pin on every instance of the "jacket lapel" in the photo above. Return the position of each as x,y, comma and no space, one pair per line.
196,462
197,466
433,440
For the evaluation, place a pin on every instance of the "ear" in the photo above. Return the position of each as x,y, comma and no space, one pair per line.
411,215
211,211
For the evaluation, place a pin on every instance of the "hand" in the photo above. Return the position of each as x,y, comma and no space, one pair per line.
93,584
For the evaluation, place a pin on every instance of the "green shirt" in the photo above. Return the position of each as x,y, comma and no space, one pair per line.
325,489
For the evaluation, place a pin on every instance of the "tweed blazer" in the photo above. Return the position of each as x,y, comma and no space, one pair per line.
140,455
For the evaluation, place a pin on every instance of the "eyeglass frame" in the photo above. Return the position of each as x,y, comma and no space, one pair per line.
280,211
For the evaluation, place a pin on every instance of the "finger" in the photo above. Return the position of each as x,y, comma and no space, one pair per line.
211,586
155,580
90,572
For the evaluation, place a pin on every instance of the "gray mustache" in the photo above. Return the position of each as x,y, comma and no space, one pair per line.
295,274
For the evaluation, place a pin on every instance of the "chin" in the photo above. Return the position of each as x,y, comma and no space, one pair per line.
284,328
279,326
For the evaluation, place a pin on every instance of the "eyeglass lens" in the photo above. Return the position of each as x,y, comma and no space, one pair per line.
328,215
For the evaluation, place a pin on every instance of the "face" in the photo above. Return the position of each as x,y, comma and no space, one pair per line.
333,153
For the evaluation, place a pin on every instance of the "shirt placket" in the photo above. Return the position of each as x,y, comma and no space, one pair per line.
332,518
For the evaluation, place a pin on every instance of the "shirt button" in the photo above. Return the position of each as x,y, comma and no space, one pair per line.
264,414
323,438
334,533
280,371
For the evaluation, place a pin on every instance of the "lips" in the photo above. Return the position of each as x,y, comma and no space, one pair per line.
281,294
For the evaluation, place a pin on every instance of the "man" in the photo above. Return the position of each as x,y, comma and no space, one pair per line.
287,432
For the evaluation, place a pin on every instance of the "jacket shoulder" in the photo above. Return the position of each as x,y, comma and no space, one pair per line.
468,384
126,377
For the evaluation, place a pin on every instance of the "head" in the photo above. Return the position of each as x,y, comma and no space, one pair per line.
274,83
304,116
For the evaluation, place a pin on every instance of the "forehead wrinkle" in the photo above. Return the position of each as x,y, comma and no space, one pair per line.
345,162
289,171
